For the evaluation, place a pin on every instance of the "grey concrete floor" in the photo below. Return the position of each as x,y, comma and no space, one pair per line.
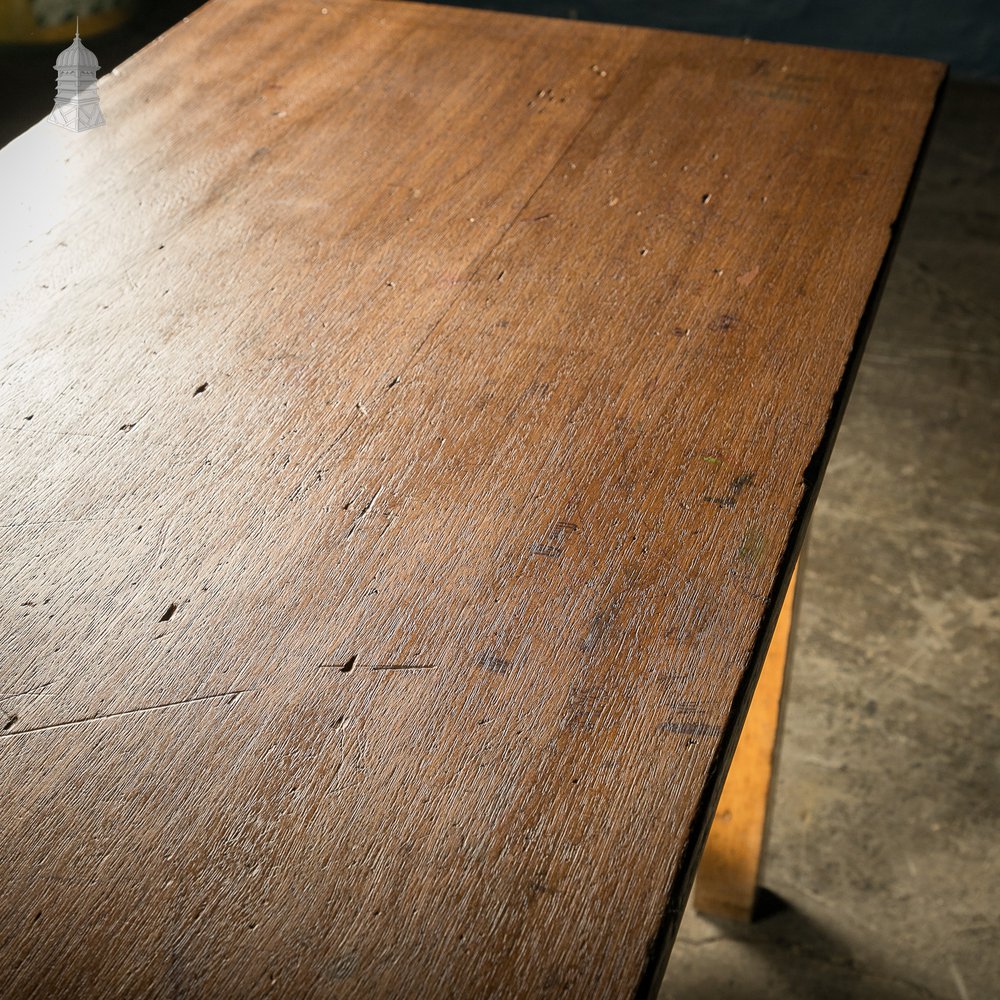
885,833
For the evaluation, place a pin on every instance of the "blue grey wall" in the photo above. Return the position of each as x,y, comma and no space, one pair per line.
963,33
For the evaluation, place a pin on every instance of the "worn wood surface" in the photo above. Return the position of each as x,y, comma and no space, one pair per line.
408,418
729,870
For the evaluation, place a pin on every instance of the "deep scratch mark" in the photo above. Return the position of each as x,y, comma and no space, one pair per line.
120,715
406,666
345,668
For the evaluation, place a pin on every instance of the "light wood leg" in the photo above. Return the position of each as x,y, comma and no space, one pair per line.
726,885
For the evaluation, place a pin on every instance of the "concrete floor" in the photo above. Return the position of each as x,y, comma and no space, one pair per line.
885,835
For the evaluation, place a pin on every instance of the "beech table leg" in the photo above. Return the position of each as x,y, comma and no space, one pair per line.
726,885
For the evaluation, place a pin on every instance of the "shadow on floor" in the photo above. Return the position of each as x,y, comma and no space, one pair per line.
788,953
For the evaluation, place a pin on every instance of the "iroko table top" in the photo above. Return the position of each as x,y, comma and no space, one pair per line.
410,417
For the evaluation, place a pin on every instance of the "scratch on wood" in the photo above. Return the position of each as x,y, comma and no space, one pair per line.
58,520
31,690
58,431
127,712
164,537
364,510
405,666
552,546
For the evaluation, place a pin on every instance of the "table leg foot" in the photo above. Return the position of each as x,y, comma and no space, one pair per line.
727,880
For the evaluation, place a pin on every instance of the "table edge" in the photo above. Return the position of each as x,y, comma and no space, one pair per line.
660,946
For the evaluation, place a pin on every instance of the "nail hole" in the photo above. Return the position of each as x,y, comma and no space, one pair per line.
201,388
169,613
349,665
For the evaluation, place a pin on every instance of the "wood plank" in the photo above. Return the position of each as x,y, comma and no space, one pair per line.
729,872
419,410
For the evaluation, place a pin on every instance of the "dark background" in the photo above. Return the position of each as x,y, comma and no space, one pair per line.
963,33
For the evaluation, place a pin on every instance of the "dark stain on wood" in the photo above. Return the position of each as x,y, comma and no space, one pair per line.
733,493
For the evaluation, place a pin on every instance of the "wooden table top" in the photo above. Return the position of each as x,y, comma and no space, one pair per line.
410,418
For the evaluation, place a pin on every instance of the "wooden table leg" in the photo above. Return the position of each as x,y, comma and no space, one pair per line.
726,885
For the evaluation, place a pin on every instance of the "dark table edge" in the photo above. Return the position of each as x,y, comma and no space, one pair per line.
660,945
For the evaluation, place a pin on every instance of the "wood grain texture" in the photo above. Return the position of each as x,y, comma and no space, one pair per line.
409,415
729,870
